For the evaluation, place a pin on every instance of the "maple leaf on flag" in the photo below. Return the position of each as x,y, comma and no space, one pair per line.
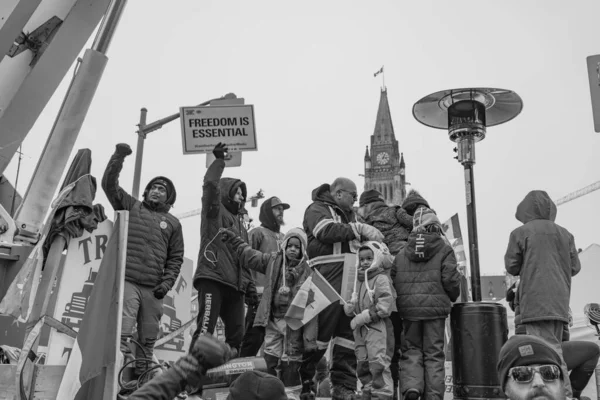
311,298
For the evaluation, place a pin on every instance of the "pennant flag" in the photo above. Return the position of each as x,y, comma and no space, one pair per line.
452,228
20,295
94,353
378,72
314,296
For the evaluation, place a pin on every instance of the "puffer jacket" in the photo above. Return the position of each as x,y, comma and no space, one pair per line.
427,280
329,235
271,265
155,239
215,260
544,255
394,222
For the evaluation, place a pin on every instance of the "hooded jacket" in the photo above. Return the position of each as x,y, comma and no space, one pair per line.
273,265
265,238
544,255
329,235
374,288
215,261
427,280
394,222
155,238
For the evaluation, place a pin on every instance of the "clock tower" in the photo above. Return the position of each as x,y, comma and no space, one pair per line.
385,170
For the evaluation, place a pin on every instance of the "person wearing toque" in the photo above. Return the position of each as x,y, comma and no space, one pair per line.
529,368
154,254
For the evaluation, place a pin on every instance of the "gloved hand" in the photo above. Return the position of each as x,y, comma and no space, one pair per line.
252,299
350,305
365,232
361,319
227,234
123,149
207,353
161,290
211,352
220,150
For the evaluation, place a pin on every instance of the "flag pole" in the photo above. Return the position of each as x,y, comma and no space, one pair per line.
111,384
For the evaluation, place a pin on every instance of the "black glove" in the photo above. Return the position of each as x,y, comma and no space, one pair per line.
227,234
252,299
160,291
220,150
211,352
123,149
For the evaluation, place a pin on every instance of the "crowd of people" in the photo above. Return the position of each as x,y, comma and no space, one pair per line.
389,335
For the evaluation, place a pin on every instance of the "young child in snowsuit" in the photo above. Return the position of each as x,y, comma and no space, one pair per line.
395,224
371,305
285,271
427,282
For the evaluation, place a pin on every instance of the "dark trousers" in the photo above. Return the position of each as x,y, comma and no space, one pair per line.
142,308
333,323
395,363
581,359
254,336
218,300
422,361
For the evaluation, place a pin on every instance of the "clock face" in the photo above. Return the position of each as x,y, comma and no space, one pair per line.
401,171
383,158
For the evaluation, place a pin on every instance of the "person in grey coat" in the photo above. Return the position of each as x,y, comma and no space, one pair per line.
544,255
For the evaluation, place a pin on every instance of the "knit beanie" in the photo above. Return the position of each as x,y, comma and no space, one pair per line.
369,196
412,201
424,217
522,350
257,385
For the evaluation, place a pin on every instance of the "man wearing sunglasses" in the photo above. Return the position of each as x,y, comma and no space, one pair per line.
529,368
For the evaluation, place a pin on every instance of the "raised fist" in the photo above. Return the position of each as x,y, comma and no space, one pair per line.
220,150
123,149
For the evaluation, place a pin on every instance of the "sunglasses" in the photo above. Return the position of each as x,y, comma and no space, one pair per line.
524,374
353,194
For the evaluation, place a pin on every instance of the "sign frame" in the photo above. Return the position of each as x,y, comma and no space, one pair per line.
233,142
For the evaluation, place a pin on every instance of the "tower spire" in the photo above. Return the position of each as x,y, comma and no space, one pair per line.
384,129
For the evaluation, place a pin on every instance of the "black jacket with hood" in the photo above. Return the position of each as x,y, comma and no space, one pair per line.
544,255
155,239
427,280
216,261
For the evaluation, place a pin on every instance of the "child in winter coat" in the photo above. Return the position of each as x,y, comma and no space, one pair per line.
427,282
371,305
393,221
285,271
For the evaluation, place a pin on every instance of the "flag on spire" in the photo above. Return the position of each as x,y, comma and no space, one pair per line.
378,72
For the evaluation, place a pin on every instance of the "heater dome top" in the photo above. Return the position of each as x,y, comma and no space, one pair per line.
501,105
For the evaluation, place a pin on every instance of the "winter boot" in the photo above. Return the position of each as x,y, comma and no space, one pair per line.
412,394
366,394
339,392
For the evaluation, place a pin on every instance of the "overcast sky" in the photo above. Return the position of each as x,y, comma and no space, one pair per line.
308,70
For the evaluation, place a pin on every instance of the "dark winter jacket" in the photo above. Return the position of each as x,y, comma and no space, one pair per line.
216,261
544,255
427,280
393,221
155,238
329,234
265,238
273,303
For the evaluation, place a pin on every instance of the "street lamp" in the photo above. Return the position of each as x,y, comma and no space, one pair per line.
478,330
466,113
144,129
